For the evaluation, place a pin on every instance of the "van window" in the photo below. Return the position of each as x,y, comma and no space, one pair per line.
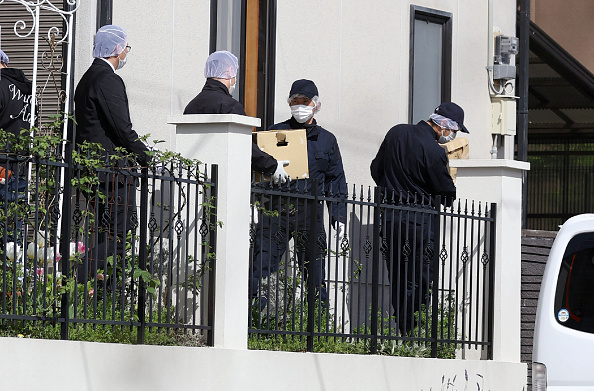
574,298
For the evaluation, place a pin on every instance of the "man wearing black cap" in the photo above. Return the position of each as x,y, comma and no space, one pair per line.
325,164
412,169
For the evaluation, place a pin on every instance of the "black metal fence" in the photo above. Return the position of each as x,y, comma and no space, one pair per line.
560,182
87,242
406,277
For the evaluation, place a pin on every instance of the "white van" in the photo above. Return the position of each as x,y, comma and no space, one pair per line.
563,350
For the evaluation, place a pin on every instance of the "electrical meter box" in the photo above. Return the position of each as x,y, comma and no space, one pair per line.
503,115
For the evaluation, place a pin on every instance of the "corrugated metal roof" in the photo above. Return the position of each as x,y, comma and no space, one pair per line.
561,89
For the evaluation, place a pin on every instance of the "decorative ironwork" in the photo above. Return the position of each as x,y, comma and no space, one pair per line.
321,241
152,224
55,213
464,256
134,220
344,244
106,219
443,254
485,259
279,238
367,247
252,235
406,250
179,227
302,240
77,216
203,229
384,248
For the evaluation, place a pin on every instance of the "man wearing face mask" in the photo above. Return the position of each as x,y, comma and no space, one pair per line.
220,71
325,165
412,168
102,116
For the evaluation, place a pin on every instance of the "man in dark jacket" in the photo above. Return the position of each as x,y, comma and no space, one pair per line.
102,116
292,221
215,98
15,115
412,168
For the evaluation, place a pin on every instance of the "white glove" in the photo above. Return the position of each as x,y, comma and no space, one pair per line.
280,175
159,168
340,230
254,214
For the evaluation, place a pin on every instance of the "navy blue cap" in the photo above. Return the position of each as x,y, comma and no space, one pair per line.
305,87
454,112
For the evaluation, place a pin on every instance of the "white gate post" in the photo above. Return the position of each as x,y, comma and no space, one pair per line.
225,139
500,181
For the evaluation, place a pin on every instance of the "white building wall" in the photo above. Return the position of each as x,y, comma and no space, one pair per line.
165,67
356,52
358,55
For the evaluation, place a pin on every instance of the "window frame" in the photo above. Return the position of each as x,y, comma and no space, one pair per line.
445,19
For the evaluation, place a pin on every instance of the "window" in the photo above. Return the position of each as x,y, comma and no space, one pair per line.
226,32
430,61
247,29
574,298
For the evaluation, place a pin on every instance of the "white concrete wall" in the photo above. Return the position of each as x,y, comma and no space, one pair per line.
358,55
76,366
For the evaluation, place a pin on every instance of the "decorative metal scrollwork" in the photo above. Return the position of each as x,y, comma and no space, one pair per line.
204,230
464,256
152,224
179,228
32,6
367,246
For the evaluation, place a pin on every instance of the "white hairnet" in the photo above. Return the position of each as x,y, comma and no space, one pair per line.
221,65
110,41
444,122
3,57
315,100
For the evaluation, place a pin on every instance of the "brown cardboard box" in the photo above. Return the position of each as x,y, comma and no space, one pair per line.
456,149
286,145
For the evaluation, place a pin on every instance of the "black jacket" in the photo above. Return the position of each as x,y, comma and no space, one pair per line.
215,99
15,100
325,164
410,161
102,114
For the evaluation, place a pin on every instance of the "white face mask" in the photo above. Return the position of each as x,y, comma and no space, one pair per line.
121,62
232,88
302,113
450,137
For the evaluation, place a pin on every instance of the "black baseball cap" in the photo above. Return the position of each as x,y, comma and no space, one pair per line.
454,112
304,87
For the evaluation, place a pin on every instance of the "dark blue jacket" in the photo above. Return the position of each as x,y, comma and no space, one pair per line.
325,165
410,161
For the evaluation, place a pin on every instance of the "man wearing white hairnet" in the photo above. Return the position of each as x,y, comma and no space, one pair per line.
102,116
220,71
412,169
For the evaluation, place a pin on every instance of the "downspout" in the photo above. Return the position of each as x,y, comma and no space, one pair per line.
490,65
524,63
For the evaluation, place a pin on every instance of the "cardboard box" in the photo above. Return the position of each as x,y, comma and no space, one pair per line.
286,145
456,149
